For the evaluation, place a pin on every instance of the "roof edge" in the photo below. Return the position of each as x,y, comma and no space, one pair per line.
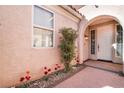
72,10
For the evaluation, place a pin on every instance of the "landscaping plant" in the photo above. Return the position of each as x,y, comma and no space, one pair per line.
67,46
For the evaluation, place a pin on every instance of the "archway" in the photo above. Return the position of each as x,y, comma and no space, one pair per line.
83,46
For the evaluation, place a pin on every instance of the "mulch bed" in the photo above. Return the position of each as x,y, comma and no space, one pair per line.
53,79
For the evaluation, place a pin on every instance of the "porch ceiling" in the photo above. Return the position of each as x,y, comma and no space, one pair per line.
101,20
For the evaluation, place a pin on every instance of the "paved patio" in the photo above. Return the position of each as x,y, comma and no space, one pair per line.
105,65
93,77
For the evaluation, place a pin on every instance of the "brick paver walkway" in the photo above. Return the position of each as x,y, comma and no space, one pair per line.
93,78
105,65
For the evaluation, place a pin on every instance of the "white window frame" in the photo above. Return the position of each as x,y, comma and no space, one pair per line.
96,49
116,40
34,25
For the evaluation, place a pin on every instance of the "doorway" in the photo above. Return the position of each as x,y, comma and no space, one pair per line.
104,42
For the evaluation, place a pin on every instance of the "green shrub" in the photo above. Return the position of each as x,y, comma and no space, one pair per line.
67,46
45,78
24,86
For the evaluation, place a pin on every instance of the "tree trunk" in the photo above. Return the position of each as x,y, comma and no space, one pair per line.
67,67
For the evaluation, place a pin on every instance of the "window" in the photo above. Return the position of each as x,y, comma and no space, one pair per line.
119,41
92,41
43,27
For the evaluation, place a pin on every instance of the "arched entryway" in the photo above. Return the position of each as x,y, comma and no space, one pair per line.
102,39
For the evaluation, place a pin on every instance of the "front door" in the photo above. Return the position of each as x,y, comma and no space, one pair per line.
104,42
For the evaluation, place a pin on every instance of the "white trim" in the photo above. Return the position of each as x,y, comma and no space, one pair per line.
41,6
32,9
46,28
96,49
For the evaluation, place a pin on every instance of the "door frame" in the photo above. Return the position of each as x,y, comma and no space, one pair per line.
111,51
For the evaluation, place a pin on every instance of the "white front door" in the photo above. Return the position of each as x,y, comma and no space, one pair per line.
104,42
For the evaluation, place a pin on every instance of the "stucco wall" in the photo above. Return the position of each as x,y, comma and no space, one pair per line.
86,45
16,53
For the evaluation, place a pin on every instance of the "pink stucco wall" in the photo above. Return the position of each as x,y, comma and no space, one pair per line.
16,52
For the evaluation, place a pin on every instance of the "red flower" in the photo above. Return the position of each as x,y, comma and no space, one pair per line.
22,79
58,66
77,61
27,77
55,68
45,67
45,72
49,70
